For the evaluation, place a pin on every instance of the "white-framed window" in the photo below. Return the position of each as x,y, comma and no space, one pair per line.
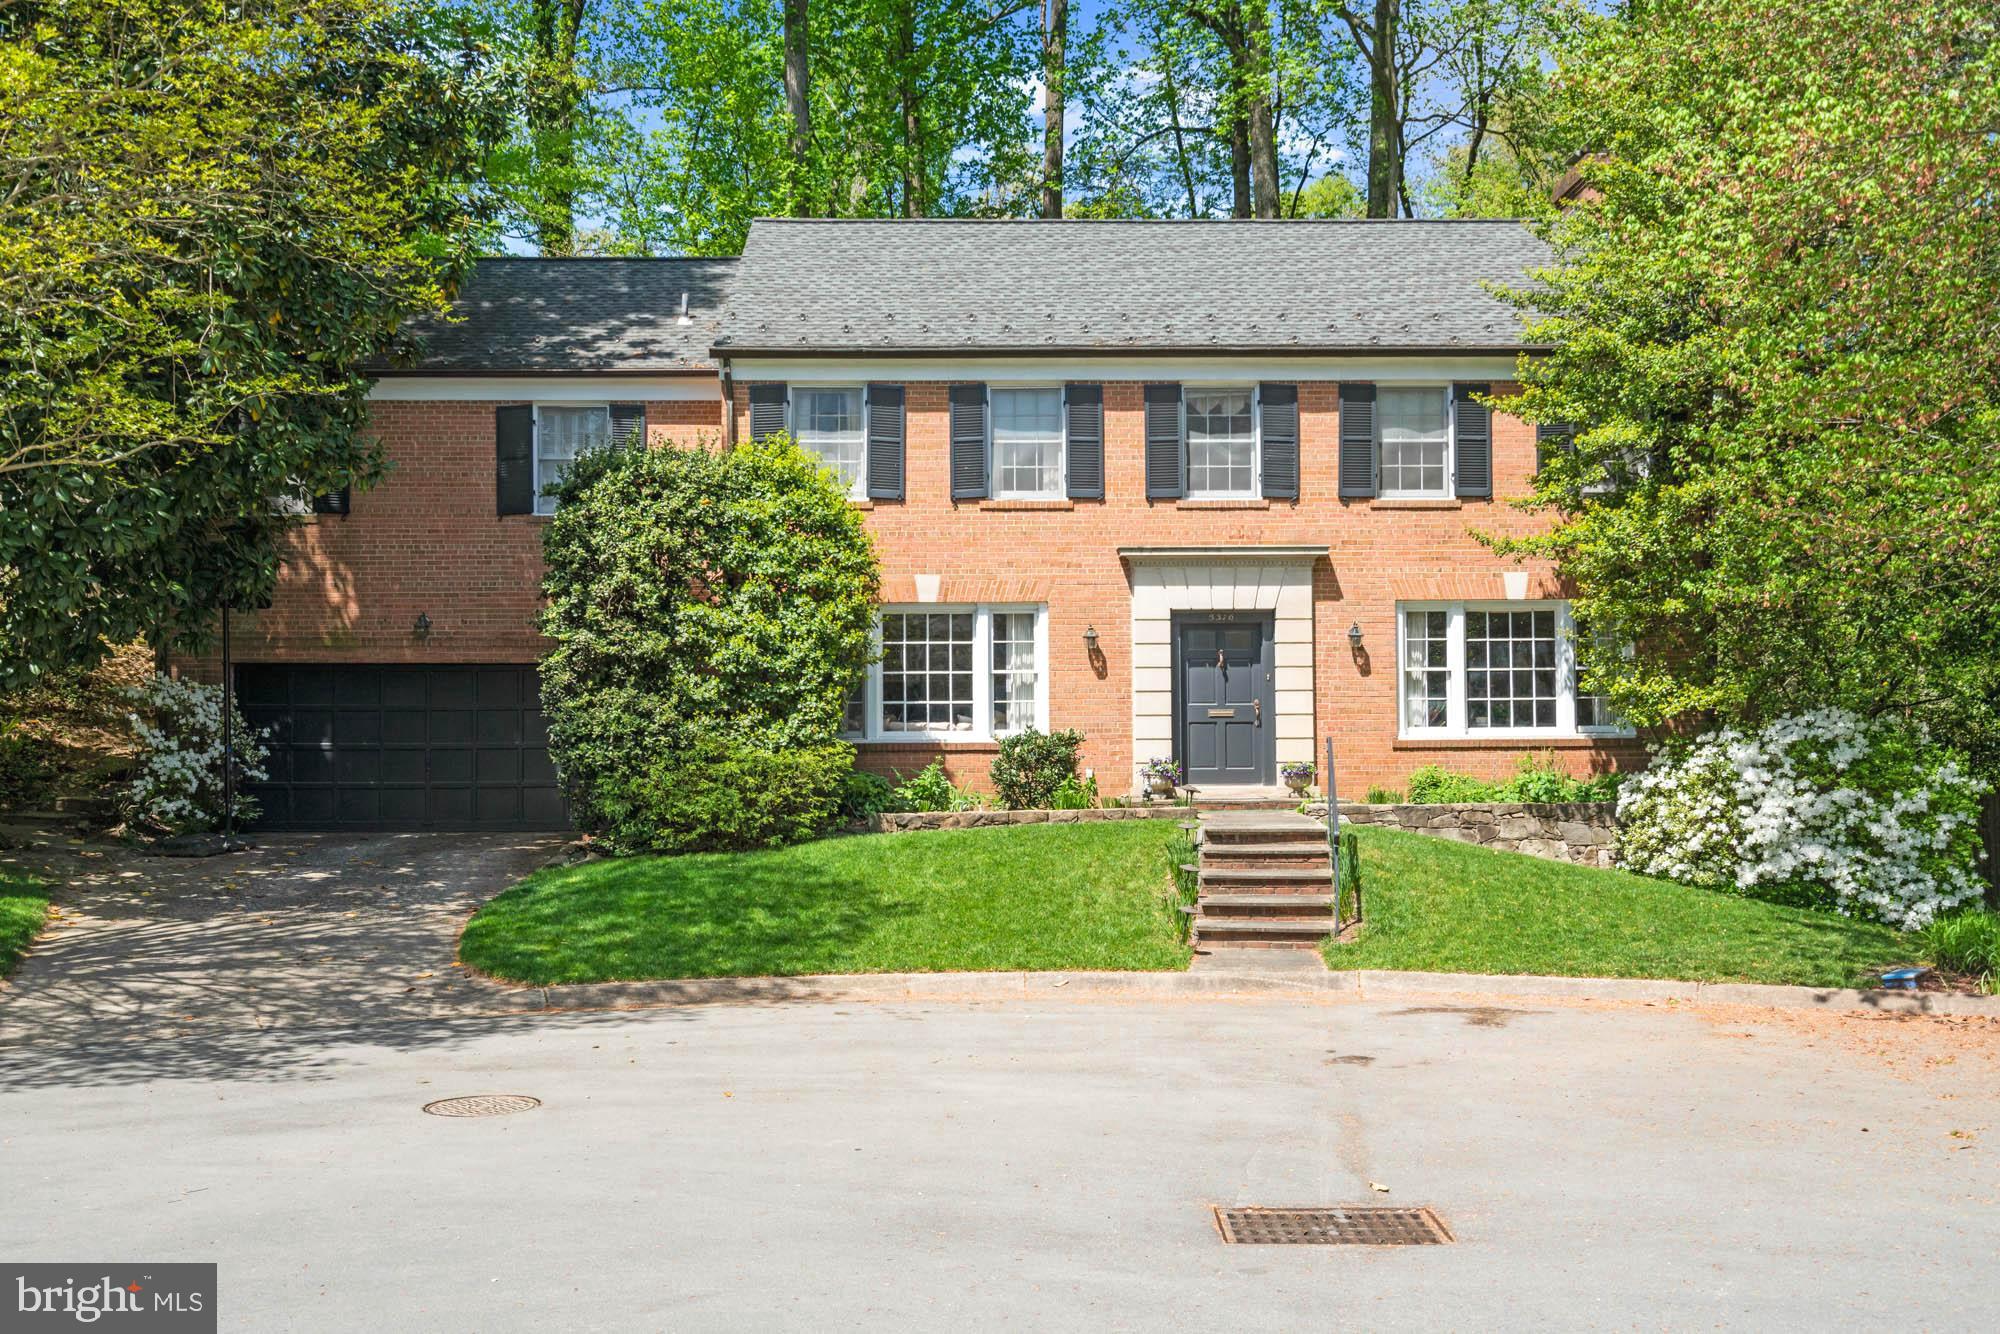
1027,443
1221,442
954,673
1416,441
563,431
831,421
1499,669
1595,711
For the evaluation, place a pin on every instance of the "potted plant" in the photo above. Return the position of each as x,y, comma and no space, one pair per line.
1298,776
1162,776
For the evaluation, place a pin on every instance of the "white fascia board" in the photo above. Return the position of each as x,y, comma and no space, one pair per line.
544,388
1045,370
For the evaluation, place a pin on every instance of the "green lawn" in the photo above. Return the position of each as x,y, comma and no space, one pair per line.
24,906
1439,906
1024,896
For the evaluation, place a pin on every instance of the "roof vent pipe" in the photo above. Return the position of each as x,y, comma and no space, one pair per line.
685,317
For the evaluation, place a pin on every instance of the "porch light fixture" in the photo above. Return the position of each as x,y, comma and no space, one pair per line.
422,628
1090,639
1354,636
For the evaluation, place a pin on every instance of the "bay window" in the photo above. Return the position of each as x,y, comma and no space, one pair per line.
1471,670
954,674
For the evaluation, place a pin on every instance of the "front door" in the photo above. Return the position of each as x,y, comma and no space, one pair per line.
1223,685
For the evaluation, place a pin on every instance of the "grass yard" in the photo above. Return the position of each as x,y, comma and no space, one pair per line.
1439,906
1020,897
24,906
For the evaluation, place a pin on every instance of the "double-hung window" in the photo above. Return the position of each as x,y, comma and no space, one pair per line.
1221,443
1416,441
954,673
1494,670
1594,710
1027,444
831,424
563,431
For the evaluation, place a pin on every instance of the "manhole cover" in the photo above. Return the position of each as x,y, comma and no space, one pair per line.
483,1104
1342,1225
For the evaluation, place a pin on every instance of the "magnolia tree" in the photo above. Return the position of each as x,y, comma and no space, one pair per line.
1772,319
1871,818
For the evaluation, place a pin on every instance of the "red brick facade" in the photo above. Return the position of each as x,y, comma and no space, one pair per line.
427,540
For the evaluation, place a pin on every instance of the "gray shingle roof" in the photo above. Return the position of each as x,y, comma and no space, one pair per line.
935,286
578,315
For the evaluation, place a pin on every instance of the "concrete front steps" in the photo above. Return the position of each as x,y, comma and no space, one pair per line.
1266,881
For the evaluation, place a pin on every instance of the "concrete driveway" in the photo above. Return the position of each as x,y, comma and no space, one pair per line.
303,929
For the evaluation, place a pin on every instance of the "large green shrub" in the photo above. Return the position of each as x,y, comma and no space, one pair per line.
1032,765
723,794
695,594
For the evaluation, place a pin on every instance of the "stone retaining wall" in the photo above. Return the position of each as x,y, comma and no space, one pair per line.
896,822
1581,831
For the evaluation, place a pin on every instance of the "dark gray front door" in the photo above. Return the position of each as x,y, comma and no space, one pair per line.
365,746
1223,688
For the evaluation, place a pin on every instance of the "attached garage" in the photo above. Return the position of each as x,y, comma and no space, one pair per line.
383,747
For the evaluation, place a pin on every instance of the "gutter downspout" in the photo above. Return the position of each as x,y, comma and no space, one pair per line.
728,405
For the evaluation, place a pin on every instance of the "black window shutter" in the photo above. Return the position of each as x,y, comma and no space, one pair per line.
1359,440
1472,430
885,442
767,409
1551,436
1278,431
514,458
1083,450
333,502
628,424
1166,447
968,441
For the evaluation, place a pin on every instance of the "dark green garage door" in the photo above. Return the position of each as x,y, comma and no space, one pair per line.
390,747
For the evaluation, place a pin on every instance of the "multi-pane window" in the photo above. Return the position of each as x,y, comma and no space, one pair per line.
1594,710
1416,442
1502,669
1510,669
562,433
829,423
967,672
1027,442
1221,444
1013,670
927,672
1426,668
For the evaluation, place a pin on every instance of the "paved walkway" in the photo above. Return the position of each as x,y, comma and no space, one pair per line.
305,928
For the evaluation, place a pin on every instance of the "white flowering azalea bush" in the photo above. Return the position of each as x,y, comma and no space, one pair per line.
1868,817
178,787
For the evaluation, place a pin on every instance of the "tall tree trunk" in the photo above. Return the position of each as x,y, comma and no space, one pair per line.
798,101
1055,37
1254,72
1385,166
555,105
906,91
1239,167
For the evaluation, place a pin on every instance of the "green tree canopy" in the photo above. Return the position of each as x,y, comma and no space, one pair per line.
1775,338
215,214
695,595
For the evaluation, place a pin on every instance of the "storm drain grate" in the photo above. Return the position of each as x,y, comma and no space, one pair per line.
1342,1225
483,1104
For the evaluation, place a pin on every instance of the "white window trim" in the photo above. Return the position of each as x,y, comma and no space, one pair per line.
535,447
1455,728
982,673
993,487
859,491
1256,443
1450,454
1575,675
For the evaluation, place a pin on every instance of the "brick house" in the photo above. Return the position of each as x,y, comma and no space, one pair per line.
1206,490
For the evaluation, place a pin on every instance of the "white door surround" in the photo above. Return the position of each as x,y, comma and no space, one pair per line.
1165,580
